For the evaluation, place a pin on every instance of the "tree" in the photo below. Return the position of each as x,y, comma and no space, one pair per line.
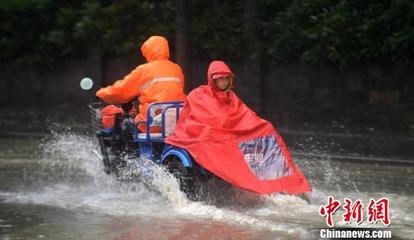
182,39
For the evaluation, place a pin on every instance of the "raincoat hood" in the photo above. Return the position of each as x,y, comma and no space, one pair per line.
155,48
221,68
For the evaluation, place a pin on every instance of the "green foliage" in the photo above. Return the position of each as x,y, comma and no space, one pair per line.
316,31
216,29
42,32
343,32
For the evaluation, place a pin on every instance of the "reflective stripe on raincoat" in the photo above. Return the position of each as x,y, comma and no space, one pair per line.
158,80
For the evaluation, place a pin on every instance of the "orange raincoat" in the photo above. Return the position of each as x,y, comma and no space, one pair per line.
158,80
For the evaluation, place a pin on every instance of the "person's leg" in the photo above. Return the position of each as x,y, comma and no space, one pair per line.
128,129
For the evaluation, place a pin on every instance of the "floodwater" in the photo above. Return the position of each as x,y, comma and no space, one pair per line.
53,187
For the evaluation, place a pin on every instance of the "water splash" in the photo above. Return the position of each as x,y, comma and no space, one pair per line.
72,178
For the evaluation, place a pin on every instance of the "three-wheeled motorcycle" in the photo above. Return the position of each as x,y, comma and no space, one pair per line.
124,141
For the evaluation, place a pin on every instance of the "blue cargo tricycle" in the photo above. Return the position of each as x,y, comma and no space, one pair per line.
124,140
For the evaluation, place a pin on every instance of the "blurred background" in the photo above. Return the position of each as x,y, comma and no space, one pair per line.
331,66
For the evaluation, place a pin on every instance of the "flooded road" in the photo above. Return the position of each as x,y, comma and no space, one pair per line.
54,188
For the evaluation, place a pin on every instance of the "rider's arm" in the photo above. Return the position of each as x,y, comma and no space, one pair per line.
124,90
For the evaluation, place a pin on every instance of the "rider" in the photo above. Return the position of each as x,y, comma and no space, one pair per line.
228,139
157,80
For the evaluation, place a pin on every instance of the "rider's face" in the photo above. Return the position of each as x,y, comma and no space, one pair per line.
222,83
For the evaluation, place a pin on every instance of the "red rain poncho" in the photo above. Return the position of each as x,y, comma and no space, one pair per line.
224,136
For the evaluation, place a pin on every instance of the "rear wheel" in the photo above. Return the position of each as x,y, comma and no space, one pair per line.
185,176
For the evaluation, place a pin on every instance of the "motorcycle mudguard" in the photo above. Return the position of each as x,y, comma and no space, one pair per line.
182,154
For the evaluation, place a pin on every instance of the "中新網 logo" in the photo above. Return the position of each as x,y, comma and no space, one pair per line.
354,211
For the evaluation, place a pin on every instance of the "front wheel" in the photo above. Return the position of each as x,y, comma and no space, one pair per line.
185,176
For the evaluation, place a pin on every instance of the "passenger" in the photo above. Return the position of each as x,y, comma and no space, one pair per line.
228,139
157,80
